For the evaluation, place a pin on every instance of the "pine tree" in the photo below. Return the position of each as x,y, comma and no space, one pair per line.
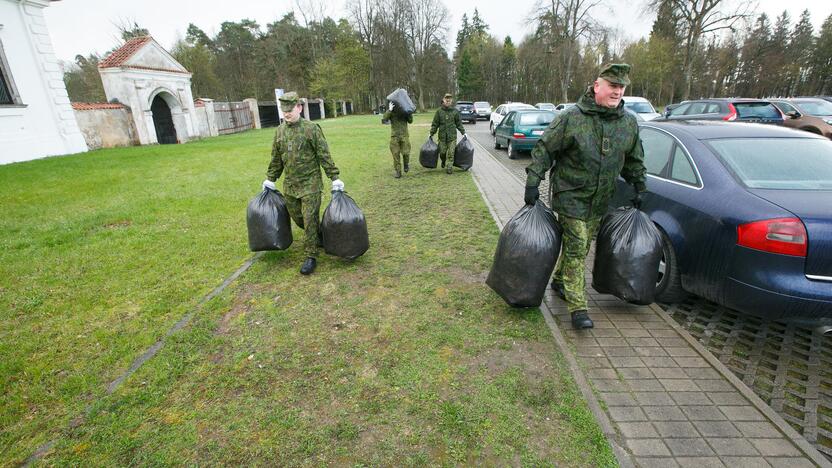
801,43
822,59
463,33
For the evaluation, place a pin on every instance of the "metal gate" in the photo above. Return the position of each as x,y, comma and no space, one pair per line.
232,117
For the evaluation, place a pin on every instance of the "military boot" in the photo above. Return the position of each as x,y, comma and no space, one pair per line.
398,174
308,266
450,170
443,162
557,286
580,320
406,168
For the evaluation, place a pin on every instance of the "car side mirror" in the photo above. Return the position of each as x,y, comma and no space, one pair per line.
793,114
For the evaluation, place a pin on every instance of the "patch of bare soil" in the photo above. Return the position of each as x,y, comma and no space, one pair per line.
464,276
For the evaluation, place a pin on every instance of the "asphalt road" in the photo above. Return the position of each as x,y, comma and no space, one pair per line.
787,366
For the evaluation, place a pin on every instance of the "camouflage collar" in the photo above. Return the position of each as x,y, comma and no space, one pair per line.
588,106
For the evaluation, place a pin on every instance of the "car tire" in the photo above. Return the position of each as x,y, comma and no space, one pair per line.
491,128
669,284
496,143
512,152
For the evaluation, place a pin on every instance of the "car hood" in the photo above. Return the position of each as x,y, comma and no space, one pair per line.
649,115
814,208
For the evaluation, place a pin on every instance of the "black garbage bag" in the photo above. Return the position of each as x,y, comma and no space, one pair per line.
401,101
429,154
526,255
268,222
627,254
343,227
464,154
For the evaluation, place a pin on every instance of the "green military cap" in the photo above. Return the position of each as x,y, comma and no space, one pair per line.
448,96
616,73
288,101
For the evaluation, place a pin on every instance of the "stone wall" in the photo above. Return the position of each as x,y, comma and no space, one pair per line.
106,125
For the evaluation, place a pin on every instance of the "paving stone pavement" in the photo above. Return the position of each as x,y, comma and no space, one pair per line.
660,397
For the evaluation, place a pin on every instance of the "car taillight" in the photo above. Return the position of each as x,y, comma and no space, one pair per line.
519,135
785,236
732,113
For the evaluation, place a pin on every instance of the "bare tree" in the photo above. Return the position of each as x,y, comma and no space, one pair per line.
566,23
702,17
425,26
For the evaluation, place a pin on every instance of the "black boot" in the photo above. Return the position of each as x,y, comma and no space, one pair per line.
308,266
581,320
406,168
557,286
443,163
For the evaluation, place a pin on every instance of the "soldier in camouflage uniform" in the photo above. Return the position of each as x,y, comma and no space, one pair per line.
300,150
584,150
446,121
399,138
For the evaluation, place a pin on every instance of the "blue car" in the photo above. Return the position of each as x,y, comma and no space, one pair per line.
745,212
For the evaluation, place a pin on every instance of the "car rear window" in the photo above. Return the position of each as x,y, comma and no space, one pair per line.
757,110
537,118
778,163
464,107
481,104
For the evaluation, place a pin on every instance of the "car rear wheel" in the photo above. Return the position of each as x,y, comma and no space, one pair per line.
497,142
512,152
491,127
669,283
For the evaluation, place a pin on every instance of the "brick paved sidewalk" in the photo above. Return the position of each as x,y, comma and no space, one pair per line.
659,396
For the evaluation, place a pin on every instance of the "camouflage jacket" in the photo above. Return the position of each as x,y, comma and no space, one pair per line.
398,123
585,149
300,150
447,122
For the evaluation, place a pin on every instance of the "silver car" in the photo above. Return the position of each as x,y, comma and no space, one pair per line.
482,109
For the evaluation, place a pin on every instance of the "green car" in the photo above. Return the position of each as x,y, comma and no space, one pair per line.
520,130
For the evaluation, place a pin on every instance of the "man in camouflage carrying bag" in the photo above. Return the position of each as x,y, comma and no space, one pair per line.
446,121
300,151
399,138
584,149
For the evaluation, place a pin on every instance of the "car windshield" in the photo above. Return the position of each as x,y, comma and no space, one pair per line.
536,118
778,163
640,107
816,107
482,105
759,110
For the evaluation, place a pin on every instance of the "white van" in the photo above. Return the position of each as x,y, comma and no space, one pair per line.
640,106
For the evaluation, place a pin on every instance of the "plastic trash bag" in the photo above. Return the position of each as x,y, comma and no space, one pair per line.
627,254
526,254
401,101
268,222
464,154
429,154
343,227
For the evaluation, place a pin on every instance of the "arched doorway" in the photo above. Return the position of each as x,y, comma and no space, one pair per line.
163,121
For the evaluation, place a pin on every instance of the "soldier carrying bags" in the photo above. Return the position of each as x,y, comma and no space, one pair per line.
584,150
300,151
446,121
399,138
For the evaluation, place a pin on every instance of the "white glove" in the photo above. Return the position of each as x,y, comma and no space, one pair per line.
267,184
338,185
390,107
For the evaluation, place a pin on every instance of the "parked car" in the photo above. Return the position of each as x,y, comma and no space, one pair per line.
521,129
809,114
563,106
744,213
483,109
728,109
545,106
501,111
640,106
466,111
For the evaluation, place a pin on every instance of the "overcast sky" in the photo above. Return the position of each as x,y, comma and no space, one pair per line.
87,26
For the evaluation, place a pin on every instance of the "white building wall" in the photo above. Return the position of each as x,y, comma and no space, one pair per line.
46,126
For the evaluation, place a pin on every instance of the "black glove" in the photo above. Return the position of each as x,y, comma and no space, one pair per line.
531,195
637,201
639,188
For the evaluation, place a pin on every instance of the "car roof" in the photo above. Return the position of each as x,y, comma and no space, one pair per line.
710,129
464,102
635,99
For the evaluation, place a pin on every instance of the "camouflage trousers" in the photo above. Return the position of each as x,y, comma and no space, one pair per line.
306,212
400,149
571,270
446,152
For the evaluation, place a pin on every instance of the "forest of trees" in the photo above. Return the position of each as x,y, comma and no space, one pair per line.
697,48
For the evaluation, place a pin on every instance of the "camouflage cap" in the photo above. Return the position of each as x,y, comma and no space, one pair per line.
288,101
616,73
448,96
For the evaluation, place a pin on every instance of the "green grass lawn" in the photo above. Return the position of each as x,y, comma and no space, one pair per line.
402,357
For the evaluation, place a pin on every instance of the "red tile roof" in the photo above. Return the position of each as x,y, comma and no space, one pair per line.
120,55
96,105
